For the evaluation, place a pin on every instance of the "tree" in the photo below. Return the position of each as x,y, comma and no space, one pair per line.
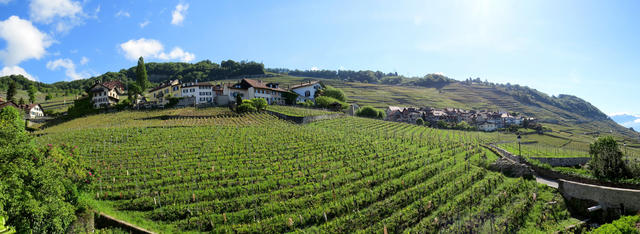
463,125
133,90
21,101
420,122
606,159
442,124
48,97
290,98
327,102
334,93
141,76
32,94
11,91
246,107
369,112
259,103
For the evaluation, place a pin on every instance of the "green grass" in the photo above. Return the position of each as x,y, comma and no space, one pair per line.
299,111
255,173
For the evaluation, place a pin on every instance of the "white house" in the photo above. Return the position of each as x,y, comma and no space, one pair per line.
248,89
107,93
203,92
306,91
487,127
33,110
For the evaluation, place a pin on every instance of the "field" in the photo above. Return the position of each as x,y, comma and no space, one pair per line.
211,170
299,112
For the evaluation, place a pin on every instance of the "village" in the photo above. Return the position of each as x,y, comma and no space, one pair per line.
483,120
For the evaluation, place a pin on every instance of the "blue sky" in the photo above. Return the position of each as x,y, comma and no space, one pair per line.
585,48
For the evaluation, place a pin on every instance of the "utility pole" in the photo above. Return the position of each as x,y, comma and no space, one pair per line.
519,149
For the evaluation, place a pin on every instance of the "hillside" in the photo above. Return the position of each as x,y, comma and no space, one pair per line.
212,170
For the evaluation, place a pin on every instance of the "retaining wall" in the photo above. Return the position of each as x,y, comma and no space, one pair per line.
608,197
563,162
303,120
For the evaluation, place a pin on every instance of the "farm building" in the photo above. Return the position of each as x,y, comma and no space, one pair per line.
106,94
306,91
248,89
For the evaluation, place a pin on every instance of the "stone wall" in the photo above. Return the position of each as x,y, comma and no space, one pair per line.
303,120
608,197
563,162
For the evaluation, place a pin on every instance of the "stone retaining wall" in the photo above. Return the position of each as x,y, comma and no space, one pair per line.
608,197
563,162
303,120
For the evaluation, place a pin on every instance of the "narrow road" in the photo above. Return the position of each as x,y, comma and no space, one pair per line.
509,156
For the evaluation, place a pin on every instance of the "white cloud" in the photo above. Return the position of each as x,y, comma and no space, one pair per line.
66,14
15,70
84,60
178,14
122,13
70,68
24,41
4,1
145,23
153,49
315,69
637,121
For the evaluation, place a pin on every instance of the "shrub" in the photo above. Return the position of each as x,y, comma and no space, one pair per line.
420,122
606,161
327,102
334,93
626,224
370,112
259,103
462,125
246,107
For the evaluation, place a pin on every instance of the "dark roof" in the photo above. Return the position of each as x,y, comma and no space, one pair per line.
111,85
309,83
9,103
197,84
29,106
246,83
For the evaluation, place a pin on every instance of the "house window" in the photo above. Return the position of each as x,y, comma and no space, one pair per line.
307,93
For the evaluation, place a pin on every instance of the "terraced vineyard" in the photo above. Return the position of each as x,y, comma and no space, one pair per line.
256,173
299,112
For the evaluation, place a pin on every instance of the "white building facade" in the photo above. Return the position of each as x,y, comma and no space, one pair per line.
306,91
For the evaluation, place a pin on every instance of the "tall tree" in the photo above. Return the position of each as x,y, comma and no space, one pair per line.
21,102
141,75
606,159
32,93
11,91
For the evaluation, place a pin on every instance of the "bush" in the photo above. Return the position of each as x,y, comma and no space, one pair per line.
246,107
626,224
370,112
420,122
334,93
327,102
606,159
462,126
259,103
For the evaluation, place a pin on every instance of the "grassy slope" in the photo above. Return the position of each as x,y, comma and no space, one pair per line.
466,96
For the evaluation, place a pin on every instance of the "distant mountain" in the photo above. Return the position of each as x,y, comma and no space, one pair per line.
627,120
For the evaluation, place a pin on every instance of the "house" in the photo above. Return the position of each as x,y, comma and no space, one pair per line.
160,95
33,111
487,127
248,89
9,103
203,92
306,91
106,94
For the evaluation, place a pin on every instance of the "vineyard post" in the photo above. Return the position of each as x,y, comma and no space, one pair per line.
519,149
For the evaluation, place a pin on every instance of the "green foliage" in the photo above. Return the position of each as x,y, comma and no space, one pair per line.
606,159
433,80
81,107
463,126
3,228
12,117
259,103
21,101
246,107
370,112
141,76
626,224
442,124
11,91
48,97
334,93
420,122
39,185
32,93
329,102
290,97
299,112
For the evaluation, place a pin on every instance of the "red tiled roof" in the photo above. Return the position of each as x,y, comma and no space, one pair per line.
113,84
305,84
198,84
261,85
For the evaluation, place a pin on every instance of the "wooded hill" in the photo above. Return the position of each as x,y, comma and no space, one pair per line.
379,89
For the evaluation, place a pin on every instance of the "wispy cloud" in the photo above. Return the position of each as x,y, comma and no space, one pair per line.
122,14
177,17
70,68
145,23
